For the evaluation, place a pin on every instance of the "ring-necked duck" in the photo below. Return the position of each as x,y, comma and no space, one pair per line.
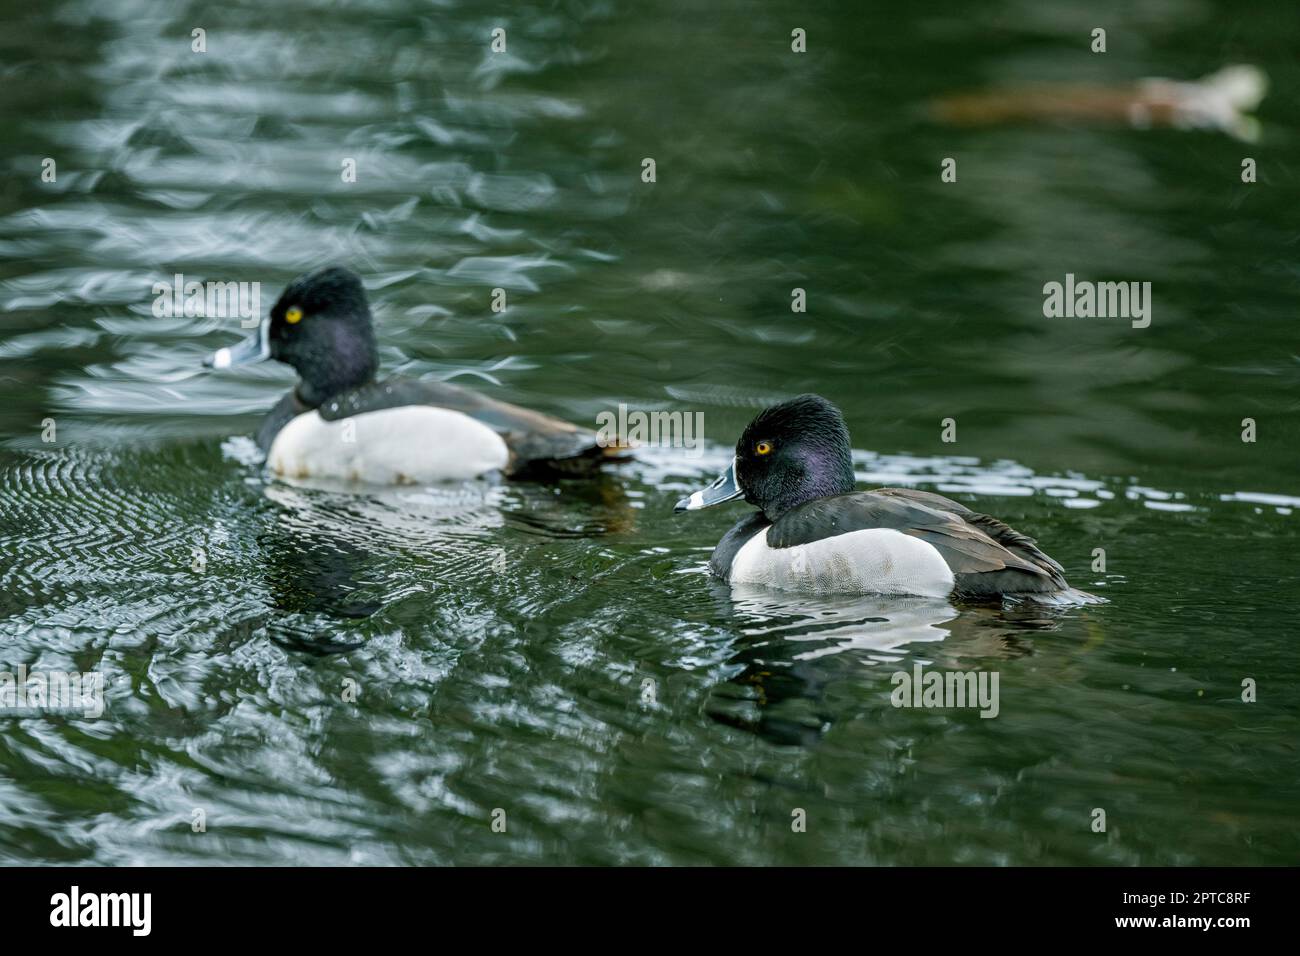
340,422
813,532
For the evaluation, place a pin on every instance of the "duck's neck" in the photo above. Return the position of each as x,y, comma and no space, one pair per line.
347,365
316,393
822,477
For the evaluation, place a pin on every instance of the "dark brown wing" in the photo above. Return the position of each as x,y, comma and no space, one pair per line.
986,556
1016,542
539,444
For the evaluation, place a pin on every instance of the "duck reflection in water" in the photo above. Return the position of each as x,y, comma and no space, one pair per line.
328,546
793,649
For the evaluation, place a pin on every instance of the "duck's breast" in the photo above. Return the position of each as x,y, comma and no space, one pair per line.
869,561
413,444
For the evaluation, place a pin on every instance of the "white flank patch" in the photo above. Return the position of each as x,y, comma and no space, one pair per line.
871,561
415,444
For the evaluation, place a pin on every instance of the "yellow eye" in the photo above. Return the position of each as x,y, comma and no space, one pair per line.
293,315
763,448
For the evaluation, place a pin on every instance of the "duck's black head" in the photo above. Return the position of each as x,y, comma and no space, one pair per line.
790,453
320,326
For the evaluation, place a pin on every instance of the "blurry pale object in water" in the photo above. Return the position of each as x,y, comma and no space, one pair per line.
1219,101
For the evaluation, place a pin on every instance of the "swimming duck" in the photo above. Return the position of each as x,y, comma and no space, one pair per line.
342,422
813,532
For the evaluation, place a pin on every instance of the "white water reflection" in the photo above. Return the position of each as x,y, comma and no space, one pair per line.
875,624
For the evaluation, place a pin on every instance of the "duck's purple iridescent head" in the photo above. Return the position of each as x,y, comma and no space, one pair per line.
790,453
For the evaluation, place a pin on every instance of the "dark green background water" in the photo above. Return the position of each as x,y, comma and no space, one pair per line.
501,638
